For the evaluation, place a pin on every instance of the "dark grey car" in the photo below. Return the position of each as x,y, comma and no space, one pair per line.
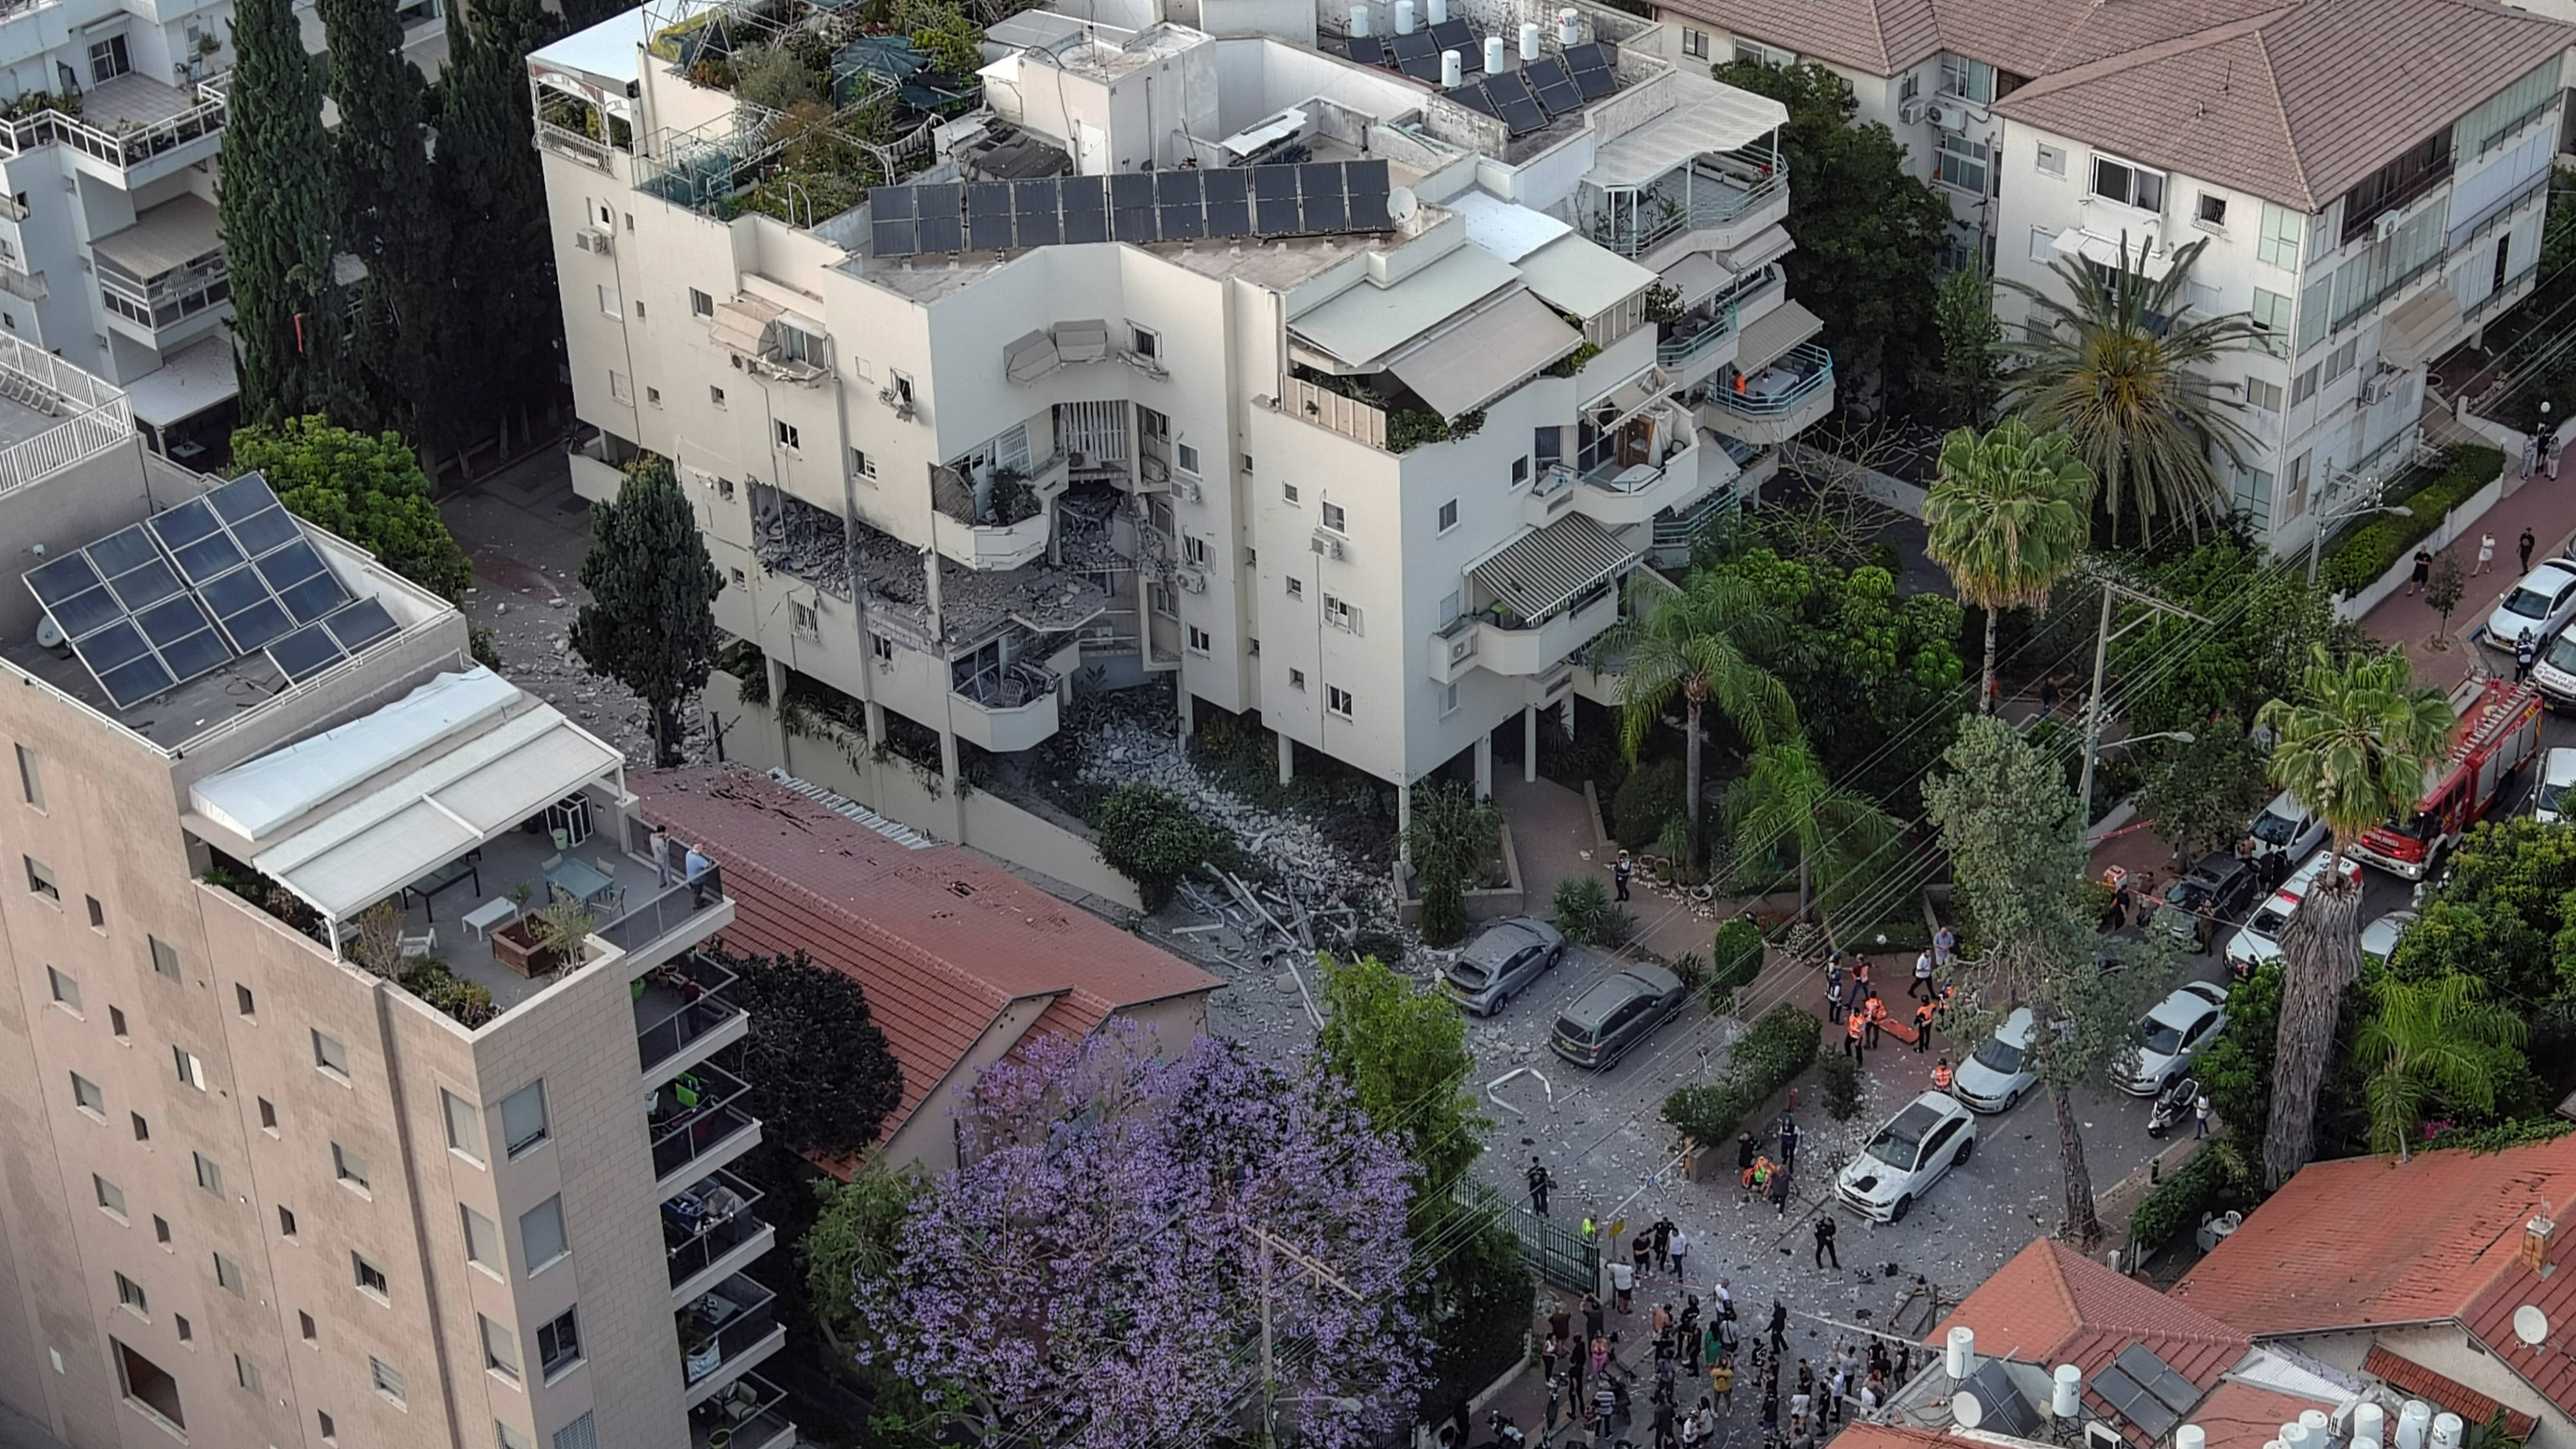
1616,1014
2200,902
1506,956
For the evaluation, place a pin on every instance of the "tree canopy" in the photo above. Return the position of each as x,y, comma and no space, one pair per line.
277,215
650,623
2007,519
823,1079
503,335
389,218
367,488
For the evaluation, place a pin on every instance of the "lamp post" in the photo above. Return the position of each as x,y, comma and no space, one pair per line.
2095,747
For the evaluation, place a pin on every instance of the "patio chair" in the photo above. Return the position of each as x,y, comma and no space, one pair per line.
424,944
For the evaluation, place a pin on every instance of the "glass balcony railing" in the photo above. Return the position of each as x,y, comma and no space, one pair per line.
1807,370
724,1325
665,911
694,1115
1695,335
705,1221
678,1004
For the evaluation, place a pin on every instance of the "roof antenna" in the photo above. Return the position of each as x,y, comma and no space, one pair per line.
2227,77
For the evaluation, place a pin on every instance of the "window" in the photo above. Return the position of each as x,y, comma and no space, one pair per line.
87,1096
1296,587
2211,212
246,1373
505,1437
2264,395
348,1167
1338,700
2272,313
31,778
2313,299
621,388
1186,457
1194,551
148,1387
2278,245
1340,614
700,304
387,1381
2303,387
305,1325
1520,470
559,1344
882,647
2339,361
160,1230
1200,640
268,1116
541,1233
2128,184
1153,424
65,990
97,914
1970,80
500,1350
1760,54
1296,679
1548,444
244,1003
579,1434
716,395
785,435
1288,491
1694,43
1252,647
2295,501
1144,341
1448,700
802,618
1335,519
330,1430
40,879
285,1221
609,305
1961,162
228,1276
329,1054
192,1072
108,60
652,395
861,464
2254,495
482,1240
110,1196
165,957
129,1295
1449,515
370,1278
116,1024
209,1176
2052,161
523,1118
799,346
142,1129
179,1322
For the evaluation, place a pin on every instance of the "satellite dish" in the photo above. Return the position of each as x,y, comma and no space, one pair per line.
1401,203
2531,1325
1965,1408
49,635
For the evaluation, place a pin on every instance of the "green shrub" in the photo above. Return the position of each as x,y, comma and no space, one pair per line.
1692,969
1838,1081
1154,837
1707,1113
1771,1054
2372,549
1736,959
1651,795
2175,1204
1582,908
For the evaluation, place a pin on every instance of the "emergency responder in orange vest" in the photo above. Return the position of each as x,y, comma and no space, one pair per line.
1923,1026
1851,1041
1941,1075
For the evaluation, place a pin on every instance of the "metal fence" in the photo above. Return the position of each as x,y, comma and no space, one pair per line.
1557,1251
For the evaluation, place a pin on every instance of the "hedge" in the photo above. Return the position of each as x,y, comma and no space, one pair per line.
1771,1055
1735,957
2174,1205
2375,547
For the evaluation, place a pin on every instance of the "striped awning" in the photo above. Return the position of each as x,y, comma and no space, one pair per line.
1769,337
1542,570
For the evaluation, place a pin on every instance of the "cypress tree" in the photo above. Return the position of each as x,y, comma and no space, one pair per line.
504,322
275,215
388,216
651,622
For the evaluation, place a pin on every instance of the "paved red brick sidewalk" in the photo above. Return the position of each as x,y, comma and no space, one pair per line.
2542,504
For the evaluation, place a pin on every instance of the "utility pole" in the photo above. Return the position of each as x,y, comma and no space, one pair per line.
1321,1273
2111,593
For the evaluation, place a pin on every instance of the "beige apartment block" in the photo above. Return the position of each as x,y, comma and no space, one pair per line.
253,1194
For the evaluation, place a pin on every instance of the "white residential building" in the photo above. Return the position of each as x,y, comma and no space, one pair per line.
1366,440
2369,175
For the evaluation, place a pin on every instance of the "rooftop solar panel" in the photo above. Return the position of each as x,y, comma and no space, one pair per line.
253,627
1475,98
1086,226
1368,50
988,231
114,645
127,548
84,612
171,620
1555,86
1178,188
64,577
1131,188
1412,47
1520,117
242,497
200,653
360,624
1326,206
312,598
267,529
143,586
185,524
208,556
305,653
1036,219
128,685
943,231
892,236
1454,35
889,202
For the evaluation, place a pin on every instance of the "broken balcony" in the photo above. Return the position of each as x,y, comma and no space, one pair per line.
1005,706
1002,508
1637,463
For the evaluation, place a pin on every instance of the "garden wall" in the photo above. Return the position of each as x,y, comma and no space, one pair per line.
2470,510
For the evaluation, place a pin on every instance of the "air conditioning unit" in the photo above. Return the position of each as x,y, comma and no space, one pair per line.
1329,543
1185,490
1154,469
1950,117
2385,227
1192,581
2373,389
1912,112
595,240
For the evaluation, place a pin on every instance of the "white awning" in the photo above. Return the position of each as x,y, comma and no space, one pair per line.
260,798
1772,334
1472,363
1030,358
1539,572
194,379
2105,251
1697,277
1082,341
1576,276
1365,322
740,324
1506,228
1706,117
164,238
2422,328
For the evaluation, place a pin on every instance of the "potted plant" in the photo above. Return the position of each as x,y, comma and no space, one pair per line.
700,1353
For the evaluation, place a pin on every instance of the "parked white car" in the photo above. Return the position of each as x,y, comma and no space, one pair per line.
1932,1135
2550,803
1997,1073
2379,939
2287,826
2171,1034
2544,602
2259,940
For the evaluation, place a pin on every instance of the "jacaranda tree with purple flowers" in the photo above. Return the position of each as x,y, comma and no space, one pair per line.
1092,1276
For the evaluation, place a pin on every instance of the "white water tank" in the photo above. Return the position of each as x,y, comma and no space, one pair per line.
2066,1391
2315,1420
2447,1429
1569,27
1437,12
1359,21
1495,50
2369,1421
2296,1436
2414,1419
1959,1354
1452,74
1529,40
2191,1436
1404,17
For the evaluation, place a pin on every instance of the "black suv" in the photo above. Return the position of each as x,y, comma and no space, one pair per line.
2198,904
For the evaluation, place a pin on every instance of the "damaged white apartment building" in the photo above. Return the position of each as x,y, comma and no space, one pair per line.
1344,361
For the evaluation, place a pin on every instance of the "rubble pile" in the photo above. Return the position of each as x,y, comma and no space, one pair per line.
973,603
792,536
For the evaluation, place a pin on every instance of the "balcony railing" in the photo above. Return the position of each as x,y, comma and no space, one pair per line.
95,416
564,141
123,149
694,1236
1680,348
665,911
1812,368
694,1116
1714,189
697,986
2485,221
749,1313
1326,408
168,299
748,1415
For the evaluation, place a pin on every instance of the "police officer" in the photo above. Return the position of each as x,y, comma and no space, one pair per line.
1540,1180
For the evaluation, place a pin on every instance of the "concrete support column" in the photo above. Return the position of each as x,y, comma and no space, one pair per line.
876,724
1529,744
1569,714
777,672
1485,765
1189,707
1287,757
1404,822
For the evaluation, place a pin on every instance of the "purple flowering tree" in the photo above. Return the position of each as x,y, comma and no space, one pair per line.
1093,1275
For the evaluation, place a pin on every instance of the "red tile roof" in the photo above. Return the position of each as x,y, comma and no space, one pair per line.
2442,1391
2239,1415
2052,1305
943,939
1861,1435
2369,1240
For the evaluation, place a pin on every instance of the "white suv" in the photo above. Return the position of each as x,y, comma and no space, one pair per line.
1932,1135
2260,939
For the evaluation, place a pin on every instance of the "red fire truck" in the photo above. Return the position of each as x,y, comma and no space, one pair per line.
2496,735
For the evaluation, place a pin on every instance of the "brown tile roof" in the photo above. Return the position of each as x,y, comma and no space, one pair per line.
2238,1415
2371,1240
2442,1391
1862,1435
1881,37
943,939
2052,1305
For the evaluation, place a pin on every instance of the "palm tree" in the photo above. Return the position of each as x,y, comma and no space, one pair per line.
2134,385
1785,803
1698,641
2428,1039
2353,751
2007,520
